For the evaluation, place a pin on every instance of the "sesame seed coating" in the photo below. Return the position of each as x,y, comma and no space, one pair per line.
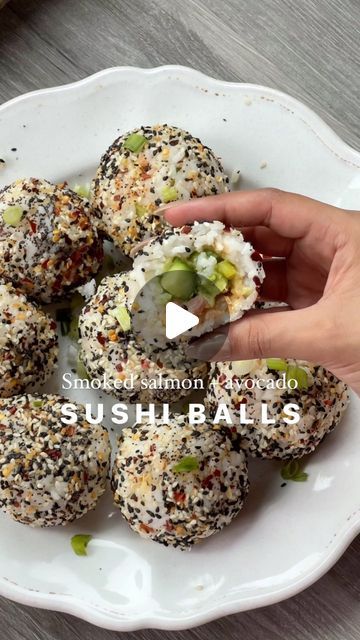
54,247
105,348
129,186
28,343
178,508
50,473
321,405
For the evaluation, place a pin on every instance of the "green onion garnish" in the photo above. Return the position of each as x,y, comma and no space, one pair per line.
169,194
37,403
299,374
13,216
293,372
140,209
79,544
135,142
64,317
81,370
187,464
292,471
123,317
82,190
277,364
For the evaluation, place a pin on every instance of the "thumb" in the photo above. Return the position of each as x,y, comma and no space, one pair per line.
282,334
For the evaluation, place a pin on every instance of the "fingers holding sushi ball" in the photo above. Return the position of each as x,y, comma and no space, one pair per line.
48,244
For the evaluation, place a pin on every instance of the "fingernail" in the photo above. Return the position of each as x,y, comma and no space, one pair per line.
210,349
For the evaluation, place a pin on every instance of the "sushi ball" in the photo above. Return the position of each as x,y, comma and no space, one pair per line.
145,169
320,396
48,245
176,483
51,473
108,349
28,343
206,268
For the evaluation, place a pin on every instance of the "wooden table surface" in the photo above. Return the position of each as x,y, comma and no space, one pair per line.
308,48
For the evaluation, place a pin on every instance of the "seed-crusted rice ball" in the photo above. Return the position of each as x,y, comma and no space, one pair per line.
320,396
48,245
145,169
108,349
28,343
50,473
176,483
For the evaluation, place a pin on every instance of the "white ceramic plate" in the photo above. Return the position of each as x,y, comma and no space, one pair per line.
286,537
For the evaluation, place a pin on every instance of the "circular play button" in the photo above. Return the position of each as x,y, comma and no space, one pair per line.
171,311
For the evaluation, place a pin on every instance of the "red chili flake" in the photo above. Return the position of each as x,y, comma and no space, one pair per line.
86,477
159,364
119,367
54,454
144,364
145,176
217,473
117,198
33,226
169,526
186,229
222,378
45,263
12,410
179,496
328,402
146,528
206,483
256,280
53,324
152,448
101,339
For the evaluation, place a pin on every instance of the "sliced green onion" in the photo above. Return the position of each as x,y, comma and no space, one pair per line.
135,142
292,471
169,194
123,317
13,216
79,544
37,403
186,465
64,317
81,370
140,209
277,364
82,190
299,374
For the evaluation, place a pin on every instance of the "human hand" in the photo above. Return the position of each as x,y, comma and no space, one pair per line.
312,263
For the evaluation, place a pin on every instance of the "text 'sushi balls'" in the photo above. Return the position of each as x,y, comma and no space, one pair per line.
51,473
28,343
176,483
322,399
108,348
48,245
145,169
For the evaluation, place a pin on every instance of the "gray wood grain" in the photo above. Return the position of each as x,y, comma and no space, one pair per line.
309,49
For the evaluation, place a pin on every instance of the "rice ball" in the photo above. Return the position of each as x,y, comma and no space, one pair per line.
322,400
109,350
177,483
48,245
50,473
28,343
145,169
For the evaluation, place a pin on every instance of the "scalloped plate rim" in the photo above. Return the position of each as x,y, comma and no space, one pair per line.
112,620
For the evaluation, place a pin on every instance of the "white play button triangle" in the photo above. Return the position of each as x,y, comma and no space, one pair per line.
178,320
